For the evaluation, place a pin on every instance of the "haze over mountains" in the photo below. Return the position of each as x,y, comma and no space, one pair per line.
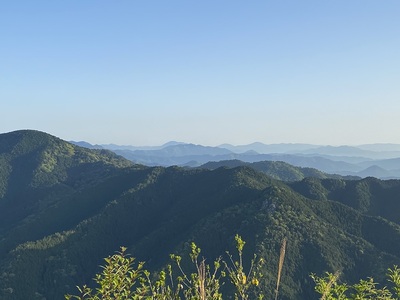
375,160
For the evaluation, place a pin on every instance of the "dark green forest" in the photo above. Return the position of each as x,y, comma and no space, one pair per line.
64,208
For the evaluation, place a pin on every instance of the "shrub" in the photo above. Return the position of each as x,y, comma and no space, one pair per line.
329,287
122,279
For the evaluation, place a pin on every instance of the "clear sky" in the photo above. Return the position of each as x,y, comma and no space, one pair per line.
145,72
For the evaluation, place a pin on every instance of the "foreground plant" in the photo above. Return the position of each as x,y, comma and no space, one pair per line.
330,289
203,284
122,279
244,282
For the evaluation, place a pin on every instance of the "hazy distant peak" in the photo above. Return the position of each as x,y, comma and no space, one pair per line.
344,150
226,145
376,171
251,152
270,148
193,149
380,147
172,143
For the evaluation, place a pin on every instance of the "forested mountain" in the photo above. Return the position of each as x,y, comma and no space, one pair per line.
275,169
63,208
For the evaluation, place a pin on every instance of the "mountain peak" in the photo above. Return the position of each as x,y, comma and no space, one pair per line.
23,141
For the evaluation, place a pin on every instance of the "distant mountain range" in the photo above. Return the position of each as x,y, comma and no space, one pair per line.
375,160
64,207
276,169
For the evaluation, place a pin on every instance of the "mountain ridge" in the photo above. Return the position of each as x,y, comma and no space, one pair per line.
342,160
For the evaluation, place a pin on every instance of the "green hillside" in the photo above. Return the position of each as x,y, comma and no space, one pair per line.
275,169
63,208
41,174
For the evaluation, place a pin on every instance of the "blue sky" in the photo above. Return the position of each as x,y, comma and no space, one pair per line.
208,72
